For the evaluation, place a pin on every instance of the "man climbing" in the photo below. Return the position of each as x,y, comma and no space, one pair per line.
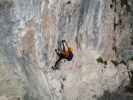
63,52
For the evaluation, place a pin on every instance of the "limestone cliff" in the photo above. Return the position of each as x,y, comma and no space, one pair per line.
101,33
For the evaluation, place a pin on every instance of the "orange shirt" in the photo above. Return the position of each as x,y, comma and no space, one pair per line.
68,54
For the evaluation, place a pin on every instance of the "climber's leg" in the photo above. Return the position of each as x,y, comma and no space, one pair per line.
55,67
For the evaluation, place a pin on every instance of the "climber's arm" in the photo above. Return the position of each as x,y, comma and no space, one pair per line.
57,52
65,45
56,64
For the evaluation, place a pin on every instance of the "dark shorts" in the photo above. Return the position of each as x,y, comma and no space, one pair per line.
70,57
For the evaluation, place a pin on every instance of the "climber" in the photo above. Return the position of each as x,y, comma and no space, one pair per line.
63,52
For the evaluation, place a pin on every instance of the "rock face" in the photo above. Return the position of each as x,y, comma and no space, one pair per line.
101,33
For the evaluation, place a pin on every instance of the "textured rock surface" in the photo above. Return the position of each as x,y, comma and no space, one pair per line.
29,32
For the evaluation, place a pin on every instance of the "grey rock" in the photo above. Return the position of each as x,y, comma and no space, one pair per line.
29,32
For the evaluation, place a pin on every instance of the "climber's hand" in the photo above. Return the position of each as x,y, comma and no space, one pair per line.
63,41
55,50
